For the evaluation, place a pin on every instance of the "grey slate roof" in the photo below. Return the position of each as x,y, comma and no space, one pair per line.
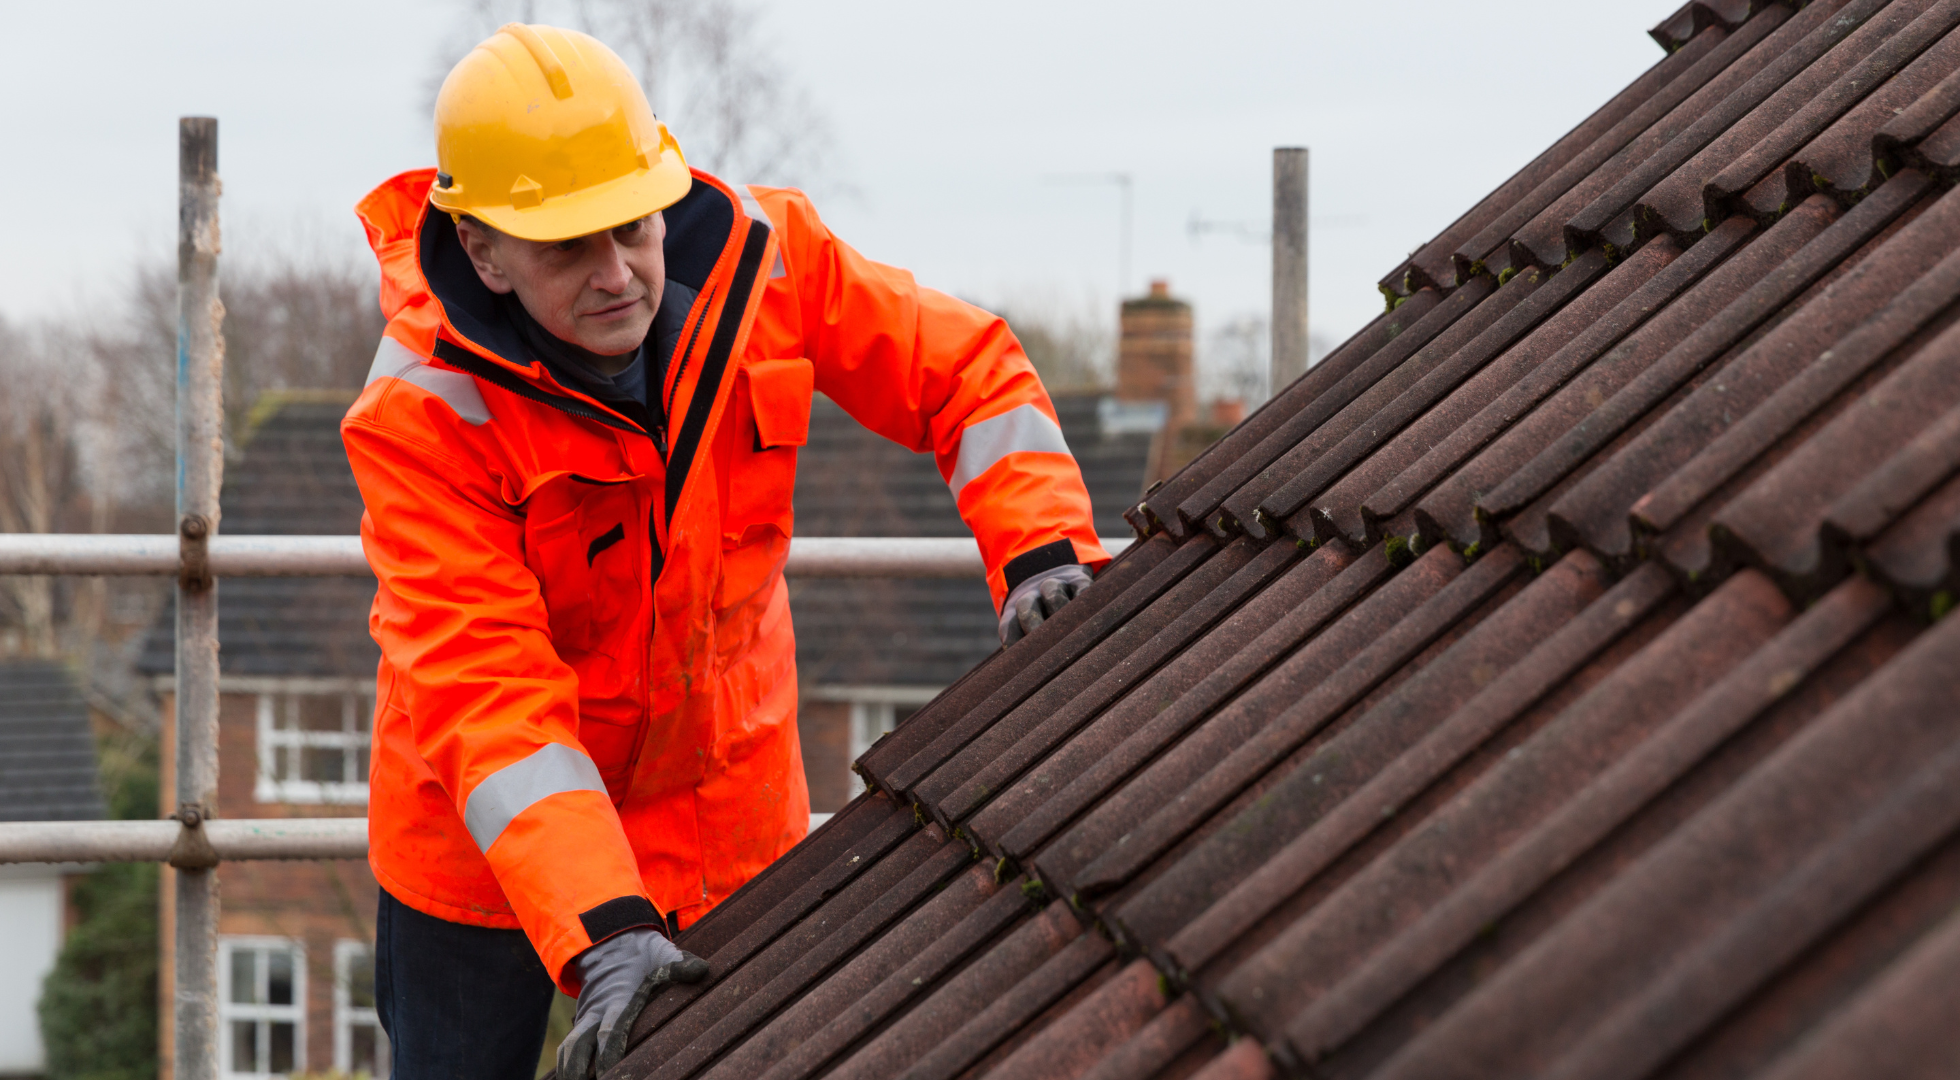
47,753
293,479
851,482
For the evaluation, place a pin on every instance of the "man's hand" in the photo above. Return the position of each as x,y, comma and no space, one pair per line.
1038,598
616,979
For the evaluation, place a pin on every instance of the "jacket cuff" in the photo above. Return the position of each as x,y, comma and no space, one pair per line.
619,915
1036,560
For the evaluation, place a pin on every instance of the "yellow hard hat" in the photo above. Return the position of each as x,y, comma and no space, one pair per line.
544,134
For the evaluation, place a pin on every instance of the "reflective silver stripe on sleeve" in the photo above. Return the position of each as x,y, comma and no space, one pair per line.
555,768
754,209
1022,429
393,360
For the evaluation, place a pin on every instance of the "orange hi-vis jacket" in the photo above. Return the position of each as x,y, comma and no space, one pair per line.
586,705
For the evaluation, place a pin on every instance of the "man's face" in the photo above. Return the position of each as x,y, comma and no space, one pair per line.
598,292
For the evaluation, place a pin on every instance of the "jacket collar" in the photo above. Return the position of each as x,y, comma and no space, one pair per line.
423,265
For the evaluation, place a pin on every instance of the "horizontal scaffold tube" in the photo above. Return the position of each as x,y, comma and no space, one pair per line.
151,841
327,556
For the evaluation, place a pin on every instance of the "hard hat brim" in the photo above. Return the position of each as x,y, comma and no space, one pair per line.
582,213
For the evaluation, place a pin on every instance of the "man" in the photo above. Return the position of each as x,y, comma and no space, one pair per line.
577,448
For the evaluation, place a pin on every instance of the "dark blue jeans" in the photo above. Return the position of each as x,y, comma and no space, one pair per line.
458,1002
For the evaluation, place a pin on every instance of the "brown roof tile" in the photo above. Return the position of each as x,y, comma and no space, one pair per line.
1356,366
1490,325
1139,725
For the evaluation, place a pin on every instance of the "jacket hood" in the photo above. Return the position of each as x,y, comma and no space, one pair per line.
390,214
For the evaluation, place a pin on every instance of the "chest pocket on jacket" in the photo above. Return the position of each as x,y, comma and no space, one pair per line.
772,414
586,541
773,417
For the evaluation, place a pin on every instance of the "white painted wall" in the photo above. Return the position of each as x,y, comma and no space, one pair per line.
30,933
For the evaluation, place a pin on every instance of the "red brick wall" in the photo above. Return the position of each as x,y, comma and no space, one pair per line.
824,728
316,902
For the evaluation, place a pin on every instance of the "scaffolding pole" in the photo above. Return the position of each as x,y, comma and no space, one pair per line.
329,556
155,841
200,474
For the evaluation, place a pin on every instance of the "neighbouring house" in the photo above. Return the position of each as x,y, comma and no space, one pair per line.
296,698
1560,679
47,773
870,651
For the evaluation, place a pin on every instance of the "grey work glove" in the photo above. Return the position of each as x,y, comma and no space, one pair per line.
617,977
1038,598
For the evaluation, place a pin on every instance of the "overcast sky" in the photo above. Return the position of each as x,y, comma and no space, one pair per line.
953,125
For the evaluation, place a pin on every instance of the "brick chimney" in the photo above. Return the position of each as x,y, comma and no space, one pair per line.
1153,358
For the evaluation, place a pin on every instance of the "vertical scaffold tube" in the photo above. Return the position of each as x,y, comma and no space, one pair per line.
200,472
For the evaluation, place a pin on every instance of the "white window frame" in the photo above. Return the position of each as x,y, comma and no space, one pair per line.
229,1011
870,721
357,703
874,712
346,1014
